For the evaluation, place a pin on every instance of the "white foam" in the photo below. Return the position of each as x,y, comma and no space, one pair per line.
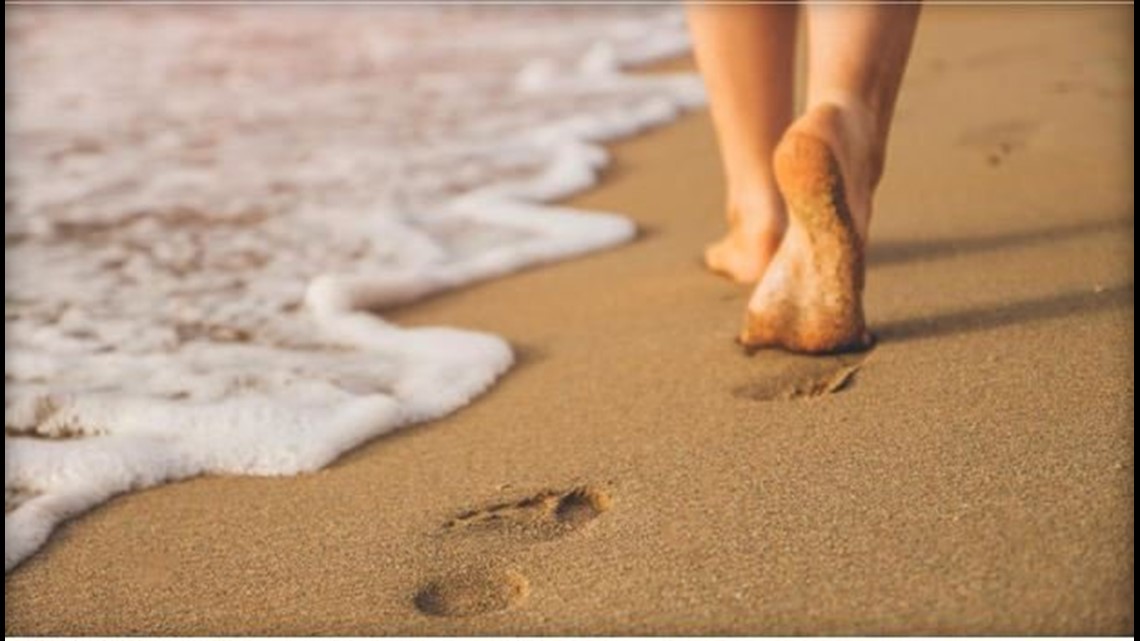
206,208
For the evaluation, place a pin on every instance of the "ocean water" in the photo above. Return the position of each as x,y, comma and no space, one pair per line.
208,209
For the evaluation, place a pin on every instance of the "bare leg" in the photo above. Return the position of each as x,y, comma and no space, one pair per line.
827,167
746,55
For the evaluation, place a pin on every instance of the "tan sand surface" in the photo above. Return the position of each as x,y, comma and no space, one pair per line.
973,474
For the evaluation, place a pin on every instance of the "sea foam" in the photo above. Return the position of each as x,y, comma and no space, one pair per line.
207,207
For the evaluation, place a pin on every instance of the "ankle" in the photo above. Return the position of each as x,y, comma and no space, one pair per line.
757,212
849,128
859,132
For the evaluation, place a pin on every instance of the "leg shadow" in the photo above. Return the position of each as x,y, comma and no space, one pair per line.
1016,313
891,253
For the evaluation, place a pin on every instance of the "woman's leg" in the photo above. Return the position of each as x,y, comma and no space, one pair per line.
746,55
827,167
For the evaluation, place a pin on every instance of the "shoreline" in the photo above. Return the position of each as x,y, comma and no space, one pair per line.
975,477
221,407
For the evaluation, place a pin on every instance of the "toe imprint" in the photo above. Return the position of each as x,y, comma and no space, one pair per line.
471,592
542,516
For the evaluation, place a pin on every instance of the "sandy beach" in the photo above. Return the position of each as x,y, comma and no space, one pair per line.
637,473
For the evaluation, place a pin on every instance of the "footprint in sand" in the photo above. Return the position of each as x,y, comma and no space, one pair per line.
472,591
492,587
999,140
543,516
803,377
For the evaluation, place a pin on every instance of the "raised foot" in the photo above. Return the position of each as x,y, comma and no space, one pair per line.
743,257
810,298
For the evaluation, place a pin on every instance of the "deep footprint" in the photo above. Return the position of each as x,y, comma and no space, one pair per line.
543,516
804,377
472,592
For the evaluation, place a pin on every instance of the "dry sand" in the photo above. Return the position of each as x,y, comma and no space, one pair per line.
975,475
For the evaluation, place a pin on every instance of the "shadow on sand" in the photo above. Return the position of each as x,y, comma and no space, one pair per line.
983,318
1013,313
891,253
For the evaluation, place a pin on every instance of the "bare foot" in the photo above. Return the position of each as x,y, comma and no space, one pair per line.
811,297
754,235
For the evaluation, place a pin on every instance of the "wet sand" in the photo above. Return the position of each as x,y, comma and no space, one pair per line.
637,473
